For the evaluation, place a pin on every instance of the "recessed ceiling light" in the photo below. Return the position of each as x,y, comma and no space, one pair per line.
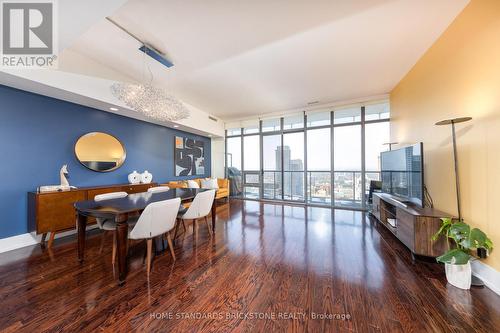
176,126
113,109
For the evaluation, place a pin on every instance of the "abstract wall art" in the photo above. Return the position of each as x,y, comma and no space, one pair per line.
189,157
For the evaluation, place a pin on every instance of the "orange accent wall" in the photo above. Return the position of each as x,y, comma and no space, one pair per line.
458,76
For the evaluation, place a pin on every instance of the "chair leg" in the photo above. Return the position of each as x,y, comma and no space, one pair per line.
184,225
208,226
194,227
103,238
150,245
176,229
170,245
113,253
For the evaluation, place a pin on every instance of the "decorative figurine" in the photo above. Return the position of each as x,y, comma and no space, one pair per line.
64,186
146,177
134,177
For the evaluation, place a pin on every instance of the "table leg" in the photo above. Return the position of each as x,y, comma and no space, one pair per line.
159,244
214,212
81,221
121,246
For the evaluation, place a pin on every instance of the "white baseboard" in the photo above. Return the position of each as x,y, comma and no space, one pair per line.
16,242
489,275
28,239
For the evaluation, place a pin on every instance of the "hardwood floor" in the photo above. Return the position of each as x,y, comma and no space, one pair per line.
265,260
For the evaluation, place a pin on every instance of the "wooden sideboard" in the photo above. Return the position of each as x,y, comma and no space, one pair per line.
53,212
414,226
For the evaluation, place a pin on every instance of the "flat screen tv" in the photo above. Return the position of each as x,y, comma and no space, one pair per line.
403,174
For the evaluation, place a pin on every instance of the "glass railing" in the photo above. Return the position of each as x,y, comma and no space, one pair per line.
319,187
347,189
271,185
291,187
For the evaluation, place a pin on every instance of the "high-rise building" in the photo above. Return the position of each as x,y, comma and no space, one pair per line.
293,184
286,157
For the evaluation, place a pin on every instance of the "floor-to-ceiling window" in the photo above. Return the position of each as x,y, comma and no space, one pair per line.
293,166
323,157
319,170
377,137
347,166
251,160
271,176
233,160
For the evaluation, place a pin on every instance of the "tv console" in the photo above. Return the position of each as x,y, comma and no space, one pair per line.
414,226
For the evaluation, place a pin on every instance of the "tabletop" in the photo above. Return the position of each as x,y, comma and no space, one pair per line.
133,202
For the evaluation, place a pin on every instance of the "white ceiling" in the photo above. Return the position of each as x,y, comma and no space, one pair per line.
75,18
237,58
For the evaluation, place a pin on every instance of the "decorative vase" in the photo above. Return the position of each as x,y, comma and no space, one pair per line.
146,177
134,178
459,275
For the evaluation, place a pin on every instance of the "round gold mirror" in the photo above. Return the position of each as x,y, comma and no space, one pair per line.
100,152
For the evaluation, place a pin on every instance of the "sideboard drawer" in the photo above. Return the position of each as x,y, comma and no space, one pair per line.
130,189
56,212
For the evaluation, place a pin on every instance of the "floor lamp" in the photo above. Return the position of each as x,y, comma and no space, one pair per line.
452,122
475,280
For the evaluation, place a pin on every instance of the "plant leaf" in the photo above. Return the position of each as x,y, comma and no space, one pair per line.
443,230
478,239
454,257
459,231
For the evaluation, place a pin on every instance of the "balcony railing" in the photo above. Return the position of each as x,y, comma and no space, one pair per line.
346,190
347,187
290,188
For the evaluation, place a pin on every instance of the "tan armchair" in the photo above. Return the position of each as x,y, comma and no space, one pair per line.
176,184
222,192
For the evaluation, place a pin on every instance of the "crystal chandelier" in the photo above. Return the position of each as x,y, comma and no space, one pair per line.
151,101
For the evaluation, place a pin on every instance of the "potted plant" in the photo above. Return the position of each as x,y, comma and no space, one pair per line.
457,259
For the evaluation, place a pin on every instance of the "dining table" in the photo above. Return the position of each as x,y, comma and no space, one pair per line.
119,210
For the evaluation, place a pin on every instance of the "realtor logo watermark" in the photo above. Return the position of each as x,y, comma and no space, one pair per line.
29,34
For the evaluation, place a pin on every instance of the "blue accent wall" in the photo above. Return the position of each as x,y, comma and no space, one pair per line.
37,136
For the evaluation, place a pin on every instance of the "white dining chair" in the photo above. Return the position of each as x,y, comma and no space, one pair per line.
158,189
109,225
158,218
199,208
161,189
